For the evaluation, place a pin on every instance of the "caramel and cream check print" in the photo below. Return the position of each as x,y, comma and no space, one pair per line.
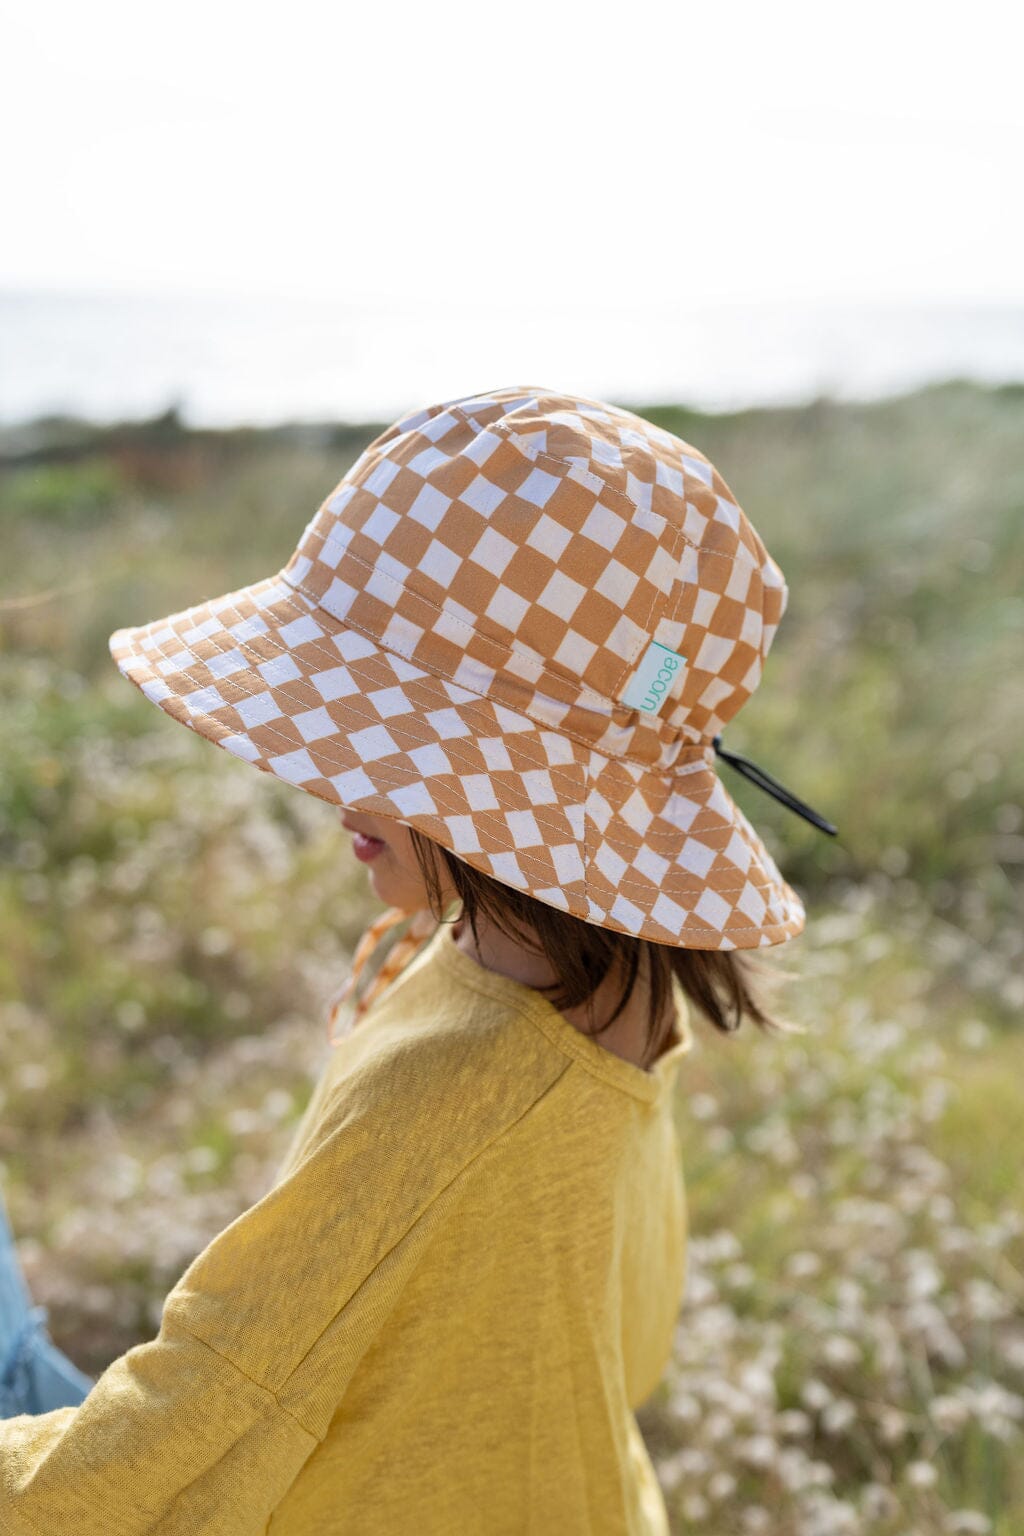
460,640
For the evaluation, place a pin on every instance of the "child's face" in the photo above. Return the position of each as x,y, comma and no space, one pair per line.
385,846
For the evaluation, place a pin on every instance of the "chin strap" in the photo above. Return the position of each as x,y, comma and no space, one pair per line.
765,781
406,932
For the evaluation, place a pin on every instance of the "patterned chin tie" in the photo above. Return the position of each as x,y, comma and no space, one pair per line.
399,935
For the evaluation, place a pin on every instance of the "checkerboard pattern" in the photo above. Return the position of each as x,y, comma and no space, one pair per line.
450,641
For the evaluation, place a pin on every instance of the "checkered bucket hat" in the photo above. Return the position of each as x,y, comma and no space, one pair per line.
518,624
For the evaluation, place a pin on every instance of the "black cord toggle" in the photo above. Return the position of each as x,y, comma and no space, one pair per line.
765,781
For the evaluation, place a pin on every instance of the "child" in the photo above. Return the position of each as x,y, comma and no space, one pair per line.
504,648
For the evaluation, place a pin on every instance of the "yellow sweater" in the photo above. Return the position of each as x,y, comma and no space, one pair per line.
438,1320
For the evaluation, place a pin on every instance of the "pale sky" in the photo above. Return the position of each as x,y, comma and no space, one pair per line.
516,153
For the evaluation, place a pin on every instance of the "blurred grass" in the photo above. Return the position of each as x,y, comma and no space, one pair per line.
172,922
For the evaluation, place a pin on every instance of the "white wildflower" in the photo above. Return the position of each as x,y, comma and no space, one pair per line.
948,1413
802,1264
892,1425
721,1485
703,1106
201,1159
838,1416
815,1394
756,1520
878,1502
985,1303
839,1350
756,1451
967,1522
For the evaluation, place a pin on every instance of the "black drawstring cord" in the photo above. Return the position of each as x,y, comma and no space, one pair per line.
765,781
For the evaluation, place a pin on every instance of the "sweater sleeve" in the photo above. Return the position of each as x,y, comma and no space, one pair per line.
202,1430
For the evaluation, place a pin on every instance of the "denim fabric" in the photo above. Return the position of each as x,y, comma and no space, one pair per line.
35,1376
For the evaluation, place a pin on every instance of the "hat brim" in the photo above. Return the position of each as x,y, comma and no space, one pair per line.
274,679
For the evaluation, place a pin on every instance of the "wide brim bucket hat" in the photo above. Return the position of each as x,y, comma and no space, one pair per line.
518,624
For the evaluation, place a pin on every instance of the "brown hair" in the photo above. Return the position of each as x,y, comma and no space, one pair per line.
724,984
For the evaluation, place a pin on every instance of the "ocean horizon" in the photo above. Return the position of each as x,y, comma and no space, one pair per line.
243,360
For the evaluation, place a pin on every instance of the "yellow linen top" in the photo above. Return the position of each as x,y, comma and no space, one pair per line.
440,1318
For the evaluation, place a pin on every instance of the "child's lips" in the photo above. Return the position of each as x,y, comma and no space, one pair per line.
366,848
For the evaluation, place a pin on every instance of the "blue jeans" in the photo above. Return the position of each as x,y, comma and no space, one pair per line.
34,1375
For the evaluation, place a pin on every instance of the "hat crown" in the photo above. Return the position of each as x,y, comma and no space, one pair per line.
529,546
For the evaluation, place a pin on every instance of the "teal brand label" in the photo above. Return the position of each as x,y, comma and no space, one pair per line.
654,679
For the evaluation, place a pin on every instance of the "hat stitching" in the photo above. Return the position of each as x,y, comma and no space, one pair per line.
623,885
651,836
470,421
598,486
516,399
520,397
394,727
663,735
555,770
451,617
451,747
576,470
588,821
582,476
523,856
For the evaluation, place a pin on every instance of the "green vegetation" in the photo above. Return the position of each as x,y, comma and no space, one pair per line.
851,1345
